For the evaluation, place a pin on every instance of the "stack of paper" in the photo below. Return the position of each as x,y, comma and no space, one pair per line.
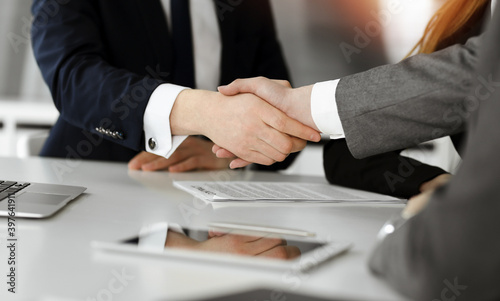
279,192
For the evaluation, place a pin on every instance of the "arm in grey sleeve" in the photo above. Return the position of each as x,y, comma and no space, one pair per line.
451,249
396,106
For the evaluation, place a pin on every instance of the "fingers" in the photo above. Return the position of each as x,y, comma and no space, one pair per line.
436,182
416,204
282,123
222,152
251,85
298,144
215,148
137,161
264,244
282,252
283,83
274,146
238,163
158,164
186,165
271,91
162,163
148,160
215,233
193,153
247,85
261,157
262,133
277,144
250,245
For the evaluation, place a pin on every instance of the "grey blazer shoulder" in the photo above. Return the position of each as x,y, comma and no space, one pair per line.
419,99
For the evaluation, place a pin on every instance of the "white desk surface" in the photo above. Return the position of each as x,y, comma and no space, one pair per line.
56,261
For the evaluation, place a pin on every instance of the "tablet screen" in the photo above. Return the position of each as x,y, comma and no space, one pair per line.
235,242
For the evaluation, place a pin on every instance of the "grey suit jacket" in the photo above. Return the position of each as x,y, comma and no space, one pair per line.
396,106
451,250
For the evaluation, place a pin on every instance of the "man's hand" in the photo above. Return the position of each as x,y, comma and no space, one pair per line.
240,163
194,153
243,124
250,245
296,103
274,92
233,243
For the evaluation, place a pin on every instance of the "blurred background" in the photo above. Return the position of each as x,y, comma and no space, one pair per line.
322,40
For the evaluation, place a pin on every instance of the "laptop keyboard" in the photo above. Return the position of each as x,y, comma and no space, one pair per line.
9,187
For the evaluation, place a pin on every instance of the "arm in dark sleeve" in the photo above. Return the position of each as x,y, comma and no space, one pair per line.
87,90
387,173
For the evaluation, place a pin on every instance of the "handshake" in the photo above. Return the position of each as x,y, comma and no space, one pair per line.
250,121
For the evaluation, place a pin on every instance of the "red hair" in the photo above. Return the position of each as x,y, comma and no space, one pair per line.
449,23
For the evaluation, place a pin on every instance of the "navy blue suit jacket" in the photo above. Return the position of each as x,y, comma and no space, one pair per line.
103,59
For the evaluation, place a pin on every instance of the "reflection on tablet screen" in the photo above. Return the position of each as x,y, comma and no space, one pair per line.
232,242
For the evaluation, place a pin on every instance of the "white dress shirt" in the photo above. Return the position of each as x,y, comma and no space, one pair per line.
207,48
324,105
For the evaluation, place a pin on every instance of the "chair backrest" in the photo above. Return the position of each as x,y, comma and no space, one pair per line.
31,144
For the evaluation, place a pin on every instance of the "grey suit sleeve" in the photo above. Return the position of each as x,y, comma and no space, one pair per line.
396,106
455,240
451,250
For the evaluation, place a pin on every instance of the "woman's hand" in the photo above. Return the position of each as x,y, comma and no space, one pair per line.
419,202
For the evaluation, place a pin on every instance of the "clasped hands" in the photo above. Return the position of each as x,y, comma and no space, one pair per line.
243,127
294,103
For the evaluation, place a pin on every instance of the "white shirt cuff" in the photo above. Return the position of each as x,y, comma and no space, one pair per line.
324,109
153,237
158,134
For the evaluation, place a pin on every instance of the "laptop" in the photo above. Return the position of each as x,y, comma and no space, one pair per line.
34,200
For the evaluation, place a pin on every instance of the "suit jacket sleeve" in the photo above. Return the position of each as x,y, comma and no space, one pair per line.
87,90
450,250
396,106
388,173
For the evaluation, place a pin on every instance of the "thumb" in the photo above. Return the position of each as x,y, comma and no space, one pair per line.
256,85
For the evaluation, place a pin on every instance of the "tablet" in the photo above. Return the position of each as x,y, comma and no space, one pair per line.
233,244
267,294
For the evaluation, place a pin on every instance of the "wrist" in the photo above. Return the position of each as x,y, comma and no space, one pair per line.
191,112
178,240
299,107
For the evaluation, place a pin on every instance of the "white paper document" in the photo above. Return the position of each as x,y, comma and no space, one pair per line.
279,192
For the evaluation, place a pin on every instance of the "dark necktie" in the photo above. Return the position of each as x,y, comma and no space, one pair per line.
183,43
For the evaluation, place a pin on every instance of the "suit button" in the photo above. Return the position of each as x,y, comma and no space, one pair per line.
119,135
152,143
